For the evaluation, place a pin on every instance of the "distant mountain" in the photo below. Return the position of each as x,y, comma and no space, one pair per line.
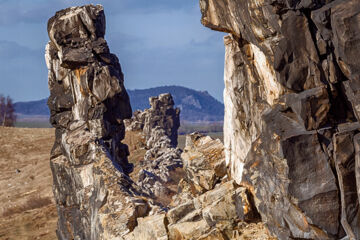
194,105
32,108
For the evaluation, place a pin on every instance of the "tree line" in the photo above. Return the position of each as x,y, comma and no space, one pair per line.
7,112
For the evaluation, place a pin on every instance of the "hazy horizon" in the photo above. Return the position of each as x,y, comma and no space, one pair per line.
158,43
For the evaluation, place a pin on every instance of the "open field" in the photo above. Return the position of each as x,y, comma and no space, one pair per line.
25,124
27,210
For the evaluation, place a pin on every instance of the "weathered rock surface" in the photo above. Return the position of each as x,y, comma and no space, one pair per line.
218,209
204,161
95,195
160,164
291,130
88,102
162,160
204,167
217,214
292,111
160,114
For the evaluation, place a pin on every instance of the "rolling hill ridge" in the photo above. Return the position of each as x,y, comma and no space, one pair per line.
195,105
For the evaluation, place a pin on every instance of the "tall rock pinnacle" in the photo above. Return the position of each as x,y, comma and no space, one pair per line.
95,198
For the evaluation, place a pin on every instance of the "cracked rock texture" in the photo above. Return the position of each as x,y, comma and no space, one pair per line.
291,155
160,114
291,127
219,210
88,102
162,161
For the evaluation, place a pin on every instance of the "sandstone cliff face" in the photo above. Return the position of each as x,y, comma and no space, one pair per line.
291,110
95,198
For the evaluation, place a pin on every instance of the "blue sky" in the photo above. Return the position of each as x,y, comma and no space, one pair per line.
158,42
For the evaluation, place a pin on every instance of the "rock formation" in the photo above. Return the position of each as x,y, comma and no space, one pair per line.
88,102
159,126
292,142
291,111
219,209
160,114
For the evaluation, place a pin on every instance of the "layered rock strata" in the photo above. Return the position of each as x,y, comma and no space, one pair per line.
291,111
88,102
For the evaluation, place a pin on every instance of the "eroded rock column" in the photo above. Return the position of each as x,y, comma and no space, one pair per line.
88,102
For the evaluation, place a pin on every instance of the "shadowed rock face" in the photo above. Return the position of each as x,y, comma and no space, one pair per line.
292,110
163,114
88,102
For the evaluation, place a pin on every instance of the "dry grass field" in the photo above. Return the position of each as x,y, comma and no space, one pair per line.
27,210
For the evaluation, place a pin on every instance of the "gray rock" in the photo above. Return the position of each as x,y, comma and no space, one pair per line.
162,114
204,161
159,125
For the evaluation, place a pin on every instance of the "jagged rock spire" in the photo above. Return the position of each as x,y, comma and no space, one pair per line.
88,102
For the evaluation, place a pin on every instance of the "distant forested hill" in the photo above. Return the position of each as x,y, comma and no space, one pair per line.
194,105
32,107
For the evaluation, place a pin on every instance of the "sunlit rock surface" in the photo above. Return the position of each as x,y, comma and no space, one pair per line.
204,161
88,102
292,110
158,171
291,153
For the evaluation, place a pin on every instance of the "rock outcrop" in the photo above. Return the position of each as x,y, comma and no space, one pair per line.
95,197
219,209
291,111
292,142
158,125
204,161
160,114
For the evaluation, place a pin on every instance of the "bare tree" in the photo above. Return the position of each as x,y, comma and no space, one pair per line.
7,112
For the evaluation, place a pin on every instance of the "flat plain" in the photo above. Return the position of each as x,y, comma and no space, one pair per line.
27,209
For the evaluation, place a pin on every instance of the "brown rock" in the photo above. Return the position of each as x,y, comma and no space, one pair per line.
150,228
204,160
